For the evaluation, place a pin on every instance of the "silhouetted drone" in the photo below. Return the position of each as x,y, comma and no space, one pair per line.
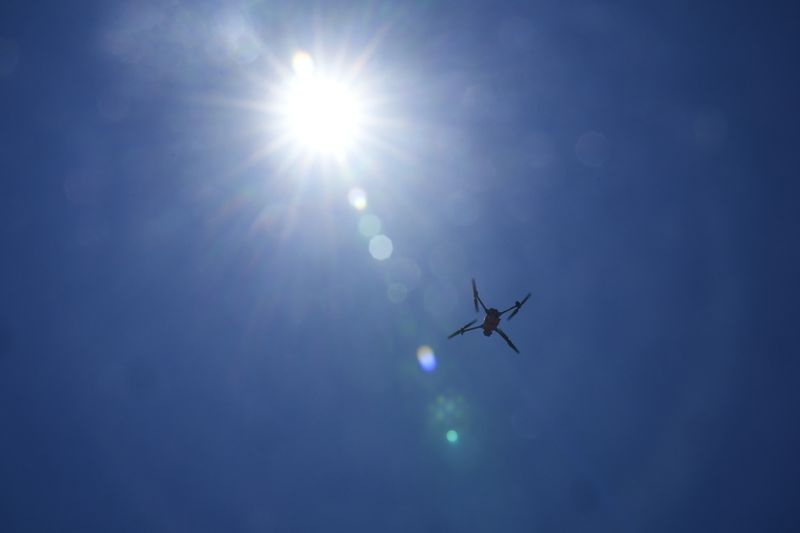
492,319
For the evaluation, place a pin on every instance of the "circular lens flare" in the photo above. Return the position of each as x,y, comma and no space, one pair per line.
452,436
302,64
357,198
380,247
426,358
369,225
397,292
449,415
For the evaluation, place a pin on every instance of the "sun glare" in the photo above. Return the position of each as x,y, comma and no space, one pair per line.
322,114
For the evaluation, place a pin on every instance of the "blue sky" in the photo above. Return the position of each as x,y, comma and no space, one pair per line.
200,329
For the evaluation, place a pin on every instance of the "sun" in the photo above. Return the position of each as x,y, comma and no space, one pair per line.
320,118
321,115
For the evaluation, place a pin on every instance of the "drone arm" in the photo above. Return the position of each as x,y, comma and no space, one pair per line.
485,310
509,309
476,299
502,334
516,307
464,329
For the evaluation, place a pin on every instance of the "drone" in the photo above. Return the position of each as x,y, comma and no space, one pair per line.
492,319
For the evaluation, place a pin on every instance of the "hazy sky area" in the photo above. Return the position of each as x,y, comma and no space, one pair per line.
236,235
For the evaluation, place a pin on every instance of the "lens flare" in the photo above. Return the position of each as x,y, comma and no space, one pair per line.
449,415
397,292
426,358
380,247
404,271
369,225
357,198
302,64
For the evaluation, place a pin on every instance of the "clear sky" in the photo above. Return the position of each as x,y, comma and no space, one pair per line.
235,236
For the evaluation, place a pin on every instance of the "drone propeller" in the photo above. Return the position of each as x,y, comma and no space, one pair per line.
461,331
474,295
502,334
518,306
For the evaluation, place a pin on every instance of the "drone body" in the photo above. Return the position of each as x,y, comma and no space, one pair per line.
492,319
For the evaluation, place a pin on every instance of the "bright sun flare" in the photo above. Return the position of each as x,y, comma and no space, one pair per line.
322,114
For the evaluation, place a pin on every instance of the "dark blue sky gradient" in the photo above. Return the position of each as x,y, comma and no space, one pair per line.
196,339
